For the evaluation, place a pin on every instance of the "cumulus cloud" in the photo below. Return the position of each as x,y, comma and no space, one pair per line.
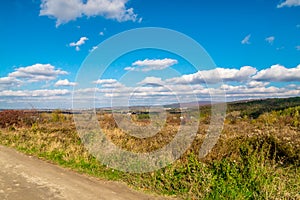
270,39
64,82
37,72
216,76
150,65
246,40
246,82
240,75
152,81
109,83
33,93
251,84
67,10
298,48
170,92
294,86
9,82
289,3
79,43
278,73
105,81
242,92
257,84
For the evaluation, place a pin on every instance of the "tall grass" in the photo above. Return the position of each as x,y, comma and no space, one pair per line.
254,159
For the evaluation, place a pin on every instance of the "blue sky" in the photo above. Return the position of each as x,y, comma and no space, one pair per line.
254,44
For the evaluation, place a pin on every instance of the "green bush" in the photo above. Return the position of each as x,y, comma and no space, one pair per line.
57,116
143,116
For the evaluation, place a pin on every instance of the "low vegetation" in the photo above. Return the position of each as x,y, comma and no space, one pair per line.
256,157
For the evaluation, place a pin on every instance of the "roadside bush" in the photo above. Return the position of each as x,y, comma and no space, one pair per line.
17,118
276,150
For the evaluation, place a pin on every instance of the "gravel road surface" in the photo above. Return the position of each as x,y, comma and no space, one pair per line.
24,177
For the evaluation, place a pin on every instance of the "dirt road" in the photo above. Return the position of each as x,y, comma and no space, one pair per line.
27,178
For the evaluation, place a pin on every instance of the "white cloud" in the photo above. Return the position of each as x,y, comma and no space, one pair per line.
9,82
243,92
246,40
241,75
294,86
64,82
257,84
49,93
155,88
150,65
79,43
130,69
216,75
105,81
289,3
101,33
242,83
109,84
37,72
152,81
34,93
170,92
93,49
67,10
278,73
270,39
298,48
63,10
142,95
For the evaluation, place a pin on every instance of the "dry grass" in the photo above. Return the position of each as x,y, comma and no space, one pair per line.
253,159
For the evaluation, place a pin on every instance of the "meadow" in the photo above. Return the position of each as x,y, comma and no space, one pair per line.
256,157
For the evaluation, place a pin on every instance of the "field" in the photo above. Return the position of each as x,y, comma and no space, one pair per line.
256,157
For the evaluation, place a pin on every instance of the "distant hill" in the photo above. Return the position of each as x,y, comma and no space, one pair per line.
254,108
251,108
188,104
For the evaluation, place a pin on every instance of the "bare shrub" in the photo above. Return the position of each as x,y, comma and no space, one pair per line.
17,118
